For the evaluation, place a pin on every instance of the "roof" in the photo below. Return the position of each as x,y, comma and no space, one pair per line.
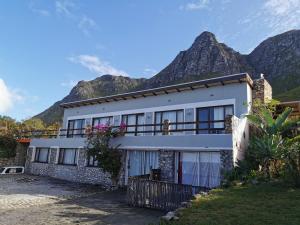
190,86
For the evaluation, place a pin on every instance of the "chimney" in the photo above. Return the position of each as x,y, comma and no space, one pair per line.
262,90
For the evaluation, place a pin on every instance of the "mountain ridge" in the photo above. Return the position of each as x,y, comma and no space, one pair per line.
277,57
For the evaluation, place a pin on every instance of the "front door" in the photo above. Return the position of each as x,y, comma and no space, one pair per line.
199,168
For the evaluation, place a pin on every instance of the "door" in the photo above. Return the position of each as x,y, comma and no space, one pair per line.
199,169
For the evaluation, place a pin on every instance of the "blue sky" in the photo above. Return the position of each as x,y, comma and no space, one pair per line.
46,47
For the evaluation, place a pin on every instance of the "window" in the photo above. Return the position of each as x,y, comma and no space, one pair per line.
75,128
41,155
131,121
67,156
199,168
175,116
92,162
210,120
142,162
103,120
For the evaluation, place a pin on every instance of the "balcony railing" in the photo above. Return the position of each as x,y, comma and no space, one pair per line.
166,128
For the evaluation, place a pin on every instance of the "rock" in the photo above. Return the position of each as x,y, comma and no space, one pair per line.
179,211
169,216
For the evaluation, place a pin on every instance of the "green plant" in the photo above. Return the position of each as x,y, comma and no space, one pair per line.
99,146
273,147
8,146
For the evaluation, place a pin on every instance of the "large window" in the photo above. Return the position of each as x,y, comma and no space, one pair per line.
108,120
198,168
42,155
210,120
75,128
67,156
134,124
175,116
142,162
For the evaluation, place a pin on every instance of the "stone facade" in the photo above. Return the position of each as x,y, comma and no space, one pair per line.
18,160
80,173
166,164
228,124
262,90
226,157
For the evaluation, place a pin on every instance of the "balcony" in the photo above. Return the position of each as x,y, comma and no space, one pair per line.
187,136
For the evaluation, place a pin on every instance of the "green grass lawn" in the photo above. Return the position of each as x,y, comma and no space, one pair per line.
264,204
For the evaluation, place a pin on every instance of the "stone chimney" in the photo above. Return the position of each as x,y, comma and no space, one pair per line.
262,90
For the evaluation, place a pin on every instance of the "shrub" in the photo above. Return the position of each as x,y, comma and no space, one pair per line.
8,146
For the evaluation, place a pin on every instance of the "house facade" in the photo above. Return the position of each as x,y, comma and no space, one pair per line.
206,132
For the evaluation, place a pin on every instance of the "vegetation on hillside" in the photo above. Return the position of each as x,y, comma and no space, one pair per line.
11,129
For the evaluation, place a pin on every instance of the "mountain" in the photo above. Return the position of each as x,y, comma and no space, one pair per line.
101,86
277,57
205,58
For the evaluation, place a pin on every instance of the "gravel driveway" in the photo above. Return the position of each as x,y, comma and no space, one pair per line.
34,200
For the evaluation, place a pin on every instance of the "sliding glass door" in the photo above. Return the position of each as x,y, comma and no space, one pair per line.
199,169
141,162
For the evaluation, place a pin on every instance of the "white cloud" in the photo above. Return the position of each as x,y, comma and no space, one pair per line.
197,5
96,65
64,7
87,24
281,15
39,11
8,97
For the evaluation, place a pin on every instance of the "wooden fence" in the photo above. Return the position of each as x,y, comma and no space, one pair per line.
161,195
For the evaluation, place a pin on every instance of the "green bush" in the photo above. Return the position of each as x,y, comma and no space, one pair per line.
8,146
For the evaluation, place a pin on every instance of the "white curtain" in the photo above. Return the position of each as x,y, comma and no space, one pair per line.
190,168
70,156
43,155
103,120
131,120
171,116
201,169
218,115
140,121
141,162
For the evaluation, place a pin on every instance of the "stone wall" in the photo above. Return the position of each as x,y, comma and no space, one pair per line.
18,160
262,90
226,161
167,165
80,173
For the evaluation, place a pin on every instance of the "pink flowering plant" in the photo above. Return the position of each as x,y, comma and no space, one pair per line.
99,147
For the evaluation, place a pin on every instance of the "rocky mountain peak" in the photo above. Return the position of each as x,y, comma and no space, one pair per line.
205,38
277,57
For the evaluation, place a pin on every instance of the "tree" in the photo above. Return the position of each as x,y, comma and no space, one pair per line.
270,146
99,147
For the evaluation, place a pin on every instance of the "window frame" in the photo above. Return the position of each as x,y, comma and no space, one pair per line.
101,117
94,160
161,122
211,130
72,132
136,131
61,157
37,155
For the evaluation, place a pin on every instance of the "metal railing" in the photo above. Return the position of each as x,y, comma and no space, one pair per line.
135,130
